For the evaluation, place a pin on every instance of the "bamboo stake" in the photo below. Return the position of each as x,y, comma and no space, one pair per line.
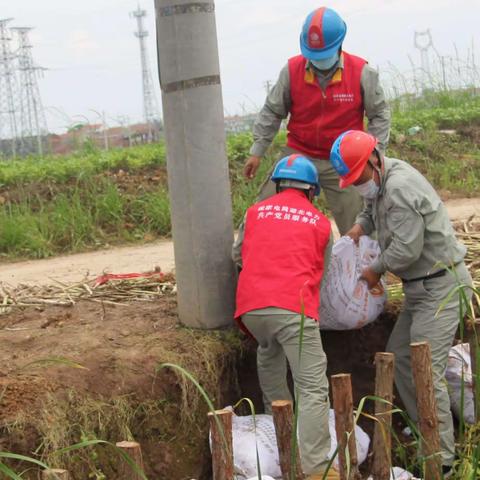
427,409
134,451
222,445
382,438
474,341
282,411
55,474
344,426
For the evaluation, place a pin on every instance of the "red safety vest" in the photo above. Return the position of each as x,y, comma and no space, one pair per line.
282,255
318,117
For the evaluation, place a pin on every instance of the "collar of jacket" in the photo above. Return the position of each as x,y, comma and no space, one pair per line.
387,165
337,76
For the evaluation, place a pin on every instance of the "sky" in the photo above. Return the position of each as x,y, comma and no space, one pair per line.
92,58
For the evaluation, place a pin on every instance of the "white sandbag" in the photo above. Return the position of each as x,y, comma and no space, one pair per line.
458,359
399,474
346,303
244,455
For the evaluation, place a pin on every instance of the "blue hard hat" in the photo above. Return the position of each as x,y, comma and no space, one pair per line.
298,168
322,34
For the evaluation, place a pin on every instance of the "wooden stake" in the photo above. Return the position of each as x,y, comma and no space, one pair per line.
427,409
382,437
282,411
474,340
134,451
55,474
344,426
222,445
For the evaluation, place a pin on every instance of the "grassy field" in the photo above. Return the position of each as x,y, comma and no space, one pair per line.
93,198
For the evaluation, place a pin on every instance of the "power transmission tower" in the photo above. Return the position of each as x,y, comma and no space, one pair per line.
33,124
151,112
8,92
423,41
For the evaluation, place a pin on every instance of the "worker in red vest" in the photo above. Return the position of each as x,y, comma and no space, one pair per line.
281,249
326,91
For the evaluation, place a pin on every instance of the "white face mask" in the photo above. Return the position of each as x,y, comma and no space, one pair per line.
368,189
325,64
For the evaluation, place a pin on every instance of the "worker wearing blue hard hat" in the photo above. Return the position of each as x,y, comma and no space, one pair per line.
281,248
324,91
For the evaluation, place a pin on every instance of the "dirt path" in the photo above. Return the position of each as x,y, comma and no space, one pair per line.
140,258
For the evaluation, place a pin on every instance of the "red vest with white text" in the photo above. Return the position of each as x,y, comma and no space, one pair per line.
318,117
282,255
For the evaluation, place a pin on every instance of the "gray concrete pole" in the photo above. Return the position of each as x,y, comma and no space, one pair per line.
196,161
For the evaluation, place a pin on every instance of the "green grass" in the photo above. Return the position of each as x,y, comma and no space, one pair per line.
80,165
59,204
90,214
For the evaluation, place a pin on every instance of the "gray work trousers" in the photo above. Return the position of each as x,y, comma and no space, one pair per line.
278,337
418,322
345,204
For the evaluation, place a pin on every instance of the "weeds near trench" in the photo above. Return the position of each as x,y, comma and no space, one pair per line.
5,469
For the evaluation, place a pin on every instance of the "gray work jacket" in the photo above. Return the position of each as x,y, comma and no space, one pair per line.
414,231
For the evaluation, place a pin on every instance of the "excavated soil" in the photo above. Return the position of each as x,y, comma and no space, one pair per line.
118,394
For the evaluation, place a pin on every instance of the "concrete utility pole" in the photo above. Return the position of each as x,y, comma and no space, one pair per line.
196,160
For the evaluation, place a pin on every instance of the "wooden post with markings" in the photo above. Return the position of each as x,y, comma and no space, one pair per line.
222,444
382,437
55,474
427,410
282,411
134,451
344,426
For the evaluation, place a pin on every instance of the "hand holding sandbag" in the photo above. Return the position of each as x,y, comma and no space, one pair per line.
346,302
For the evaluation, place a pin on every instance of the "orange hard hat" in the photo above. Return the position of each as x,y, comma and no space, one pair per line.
350,153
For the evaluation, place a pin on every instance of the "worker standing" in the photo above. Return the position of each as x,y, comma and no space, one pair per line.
418,244
281,249
326,91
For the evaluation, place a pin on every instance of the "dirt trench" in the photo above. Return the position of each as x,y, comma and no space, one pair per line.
118,393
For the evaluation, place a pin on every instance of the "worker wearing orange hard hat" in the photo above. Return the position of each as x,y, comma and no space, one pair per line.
418,244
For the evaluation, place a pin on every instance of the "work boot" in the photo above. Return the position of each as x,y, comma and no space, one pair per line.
332,474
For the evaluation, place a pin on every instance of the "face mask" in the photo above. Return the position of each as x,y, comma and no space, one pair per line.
325,64
368,189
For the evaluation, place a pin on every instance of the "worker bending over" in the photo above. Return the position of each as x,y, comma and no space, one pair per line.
280,249
418,244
